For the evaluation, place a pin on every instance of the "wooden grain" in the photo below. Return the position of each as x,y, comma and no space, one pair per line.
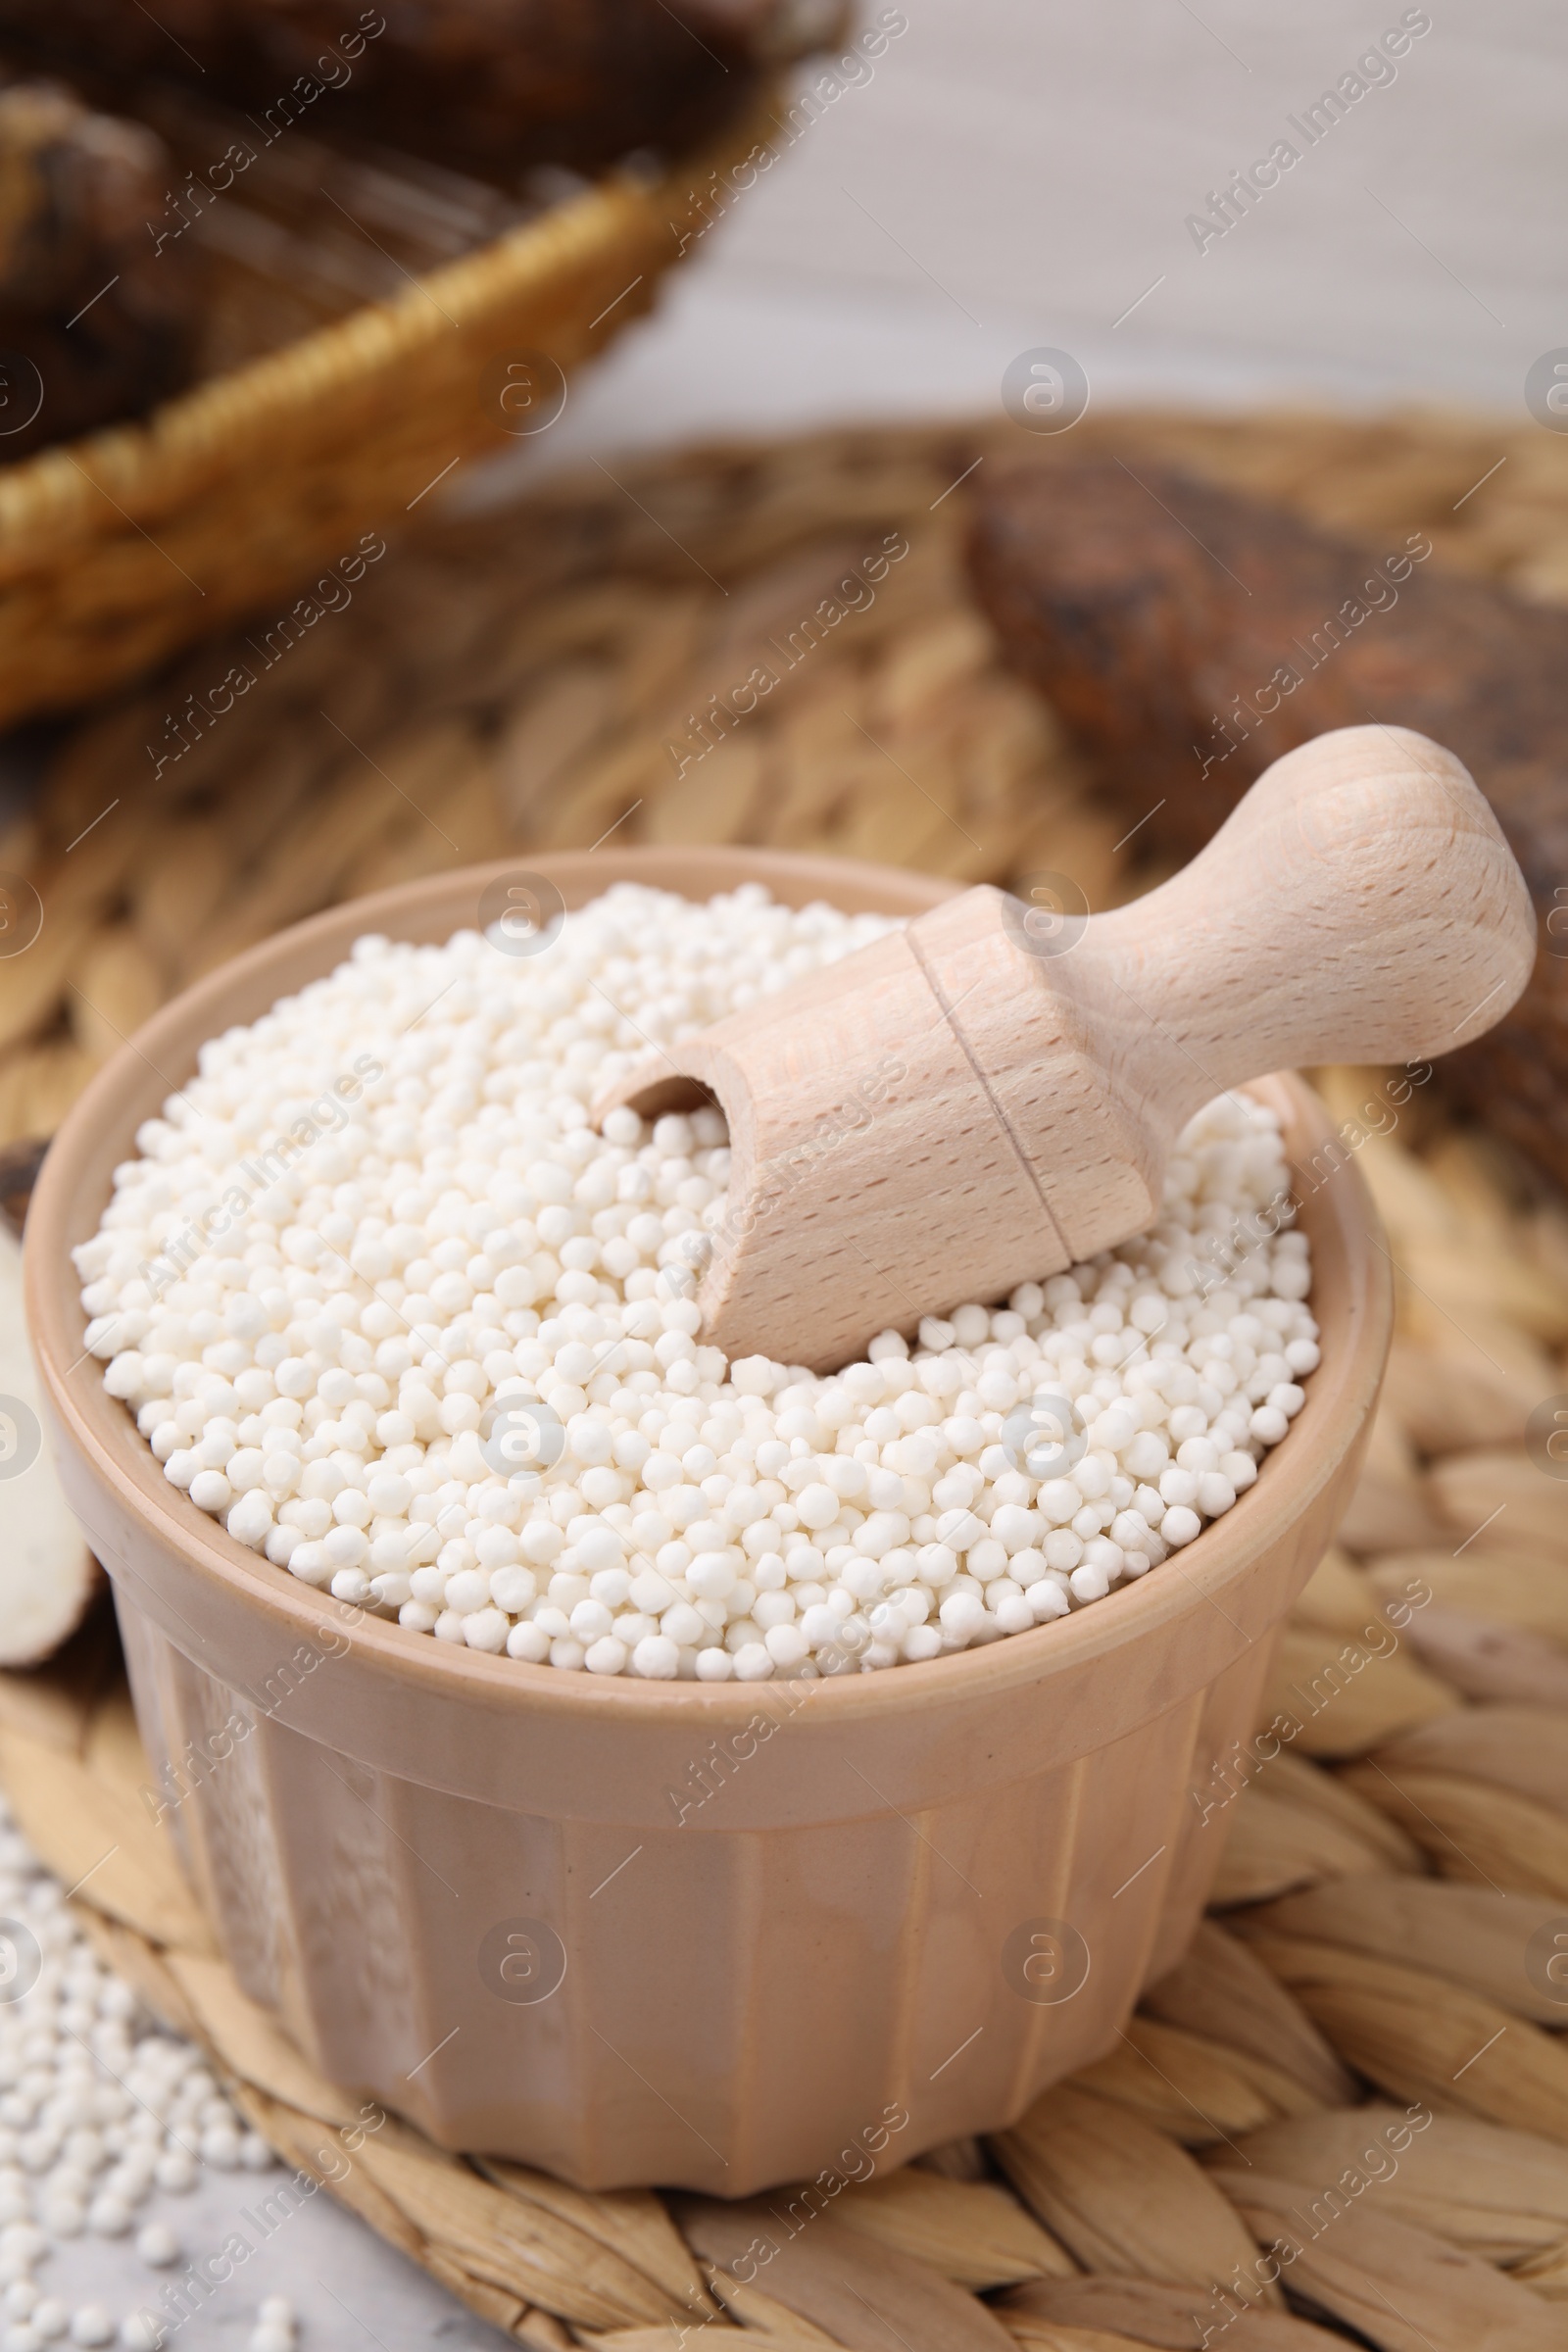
1019,1102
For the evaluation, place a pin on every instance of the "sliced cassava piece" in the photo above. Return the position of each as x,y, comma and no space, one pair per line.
1501,2194
1522,1749
1403,2288
1223,1991
970,2230
1420,2037
48,1578
1471,1828
1348,1693
1147,2311
1120,2195
1498,1944
860,2293
1194,2088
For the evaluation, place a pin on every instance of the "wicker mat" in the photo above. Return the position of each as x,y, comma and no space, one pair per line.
1360,2063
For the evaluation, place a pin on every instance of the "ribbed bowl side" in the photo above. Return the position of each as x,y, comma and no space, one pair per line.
737,2007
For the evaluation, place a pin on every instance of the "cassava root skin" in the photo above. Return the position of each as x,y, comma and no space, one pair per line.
1166,620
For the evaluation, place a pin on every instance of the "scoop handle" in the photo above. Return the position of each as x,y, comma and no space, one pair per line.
1359,905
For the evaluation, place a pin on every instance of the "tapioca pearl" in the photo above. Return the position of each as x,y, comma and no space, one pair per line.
1268,1424
887,1402
1179,1525
962,1614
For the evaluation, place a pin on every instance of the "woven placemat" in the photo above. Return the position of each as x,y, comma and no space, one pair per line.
539,677
1360,2063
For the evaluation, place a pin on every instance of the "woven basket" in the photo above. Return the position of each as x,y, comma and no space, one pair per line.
127,545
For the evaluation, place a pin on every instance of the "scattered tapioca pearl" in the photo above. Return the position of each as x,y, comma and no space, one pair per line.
95,2103
330,1346
276,2328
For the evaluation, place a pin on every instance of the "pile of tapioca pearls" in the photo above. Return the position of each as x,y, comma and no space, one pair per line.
101,2113
319,1364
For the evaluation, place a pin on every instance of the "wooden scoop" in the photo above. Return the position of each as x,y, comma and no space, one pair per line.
992,1094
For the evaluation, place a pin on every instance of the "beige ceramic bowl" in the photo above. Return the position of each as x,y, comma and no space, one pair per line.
488,1893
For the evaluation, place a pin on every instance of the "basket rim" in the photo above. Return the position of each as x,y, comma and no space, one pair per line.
195,437
72,1186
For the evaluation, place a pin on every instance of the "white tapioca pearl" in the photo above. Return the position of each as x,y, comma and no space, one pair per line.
933,1470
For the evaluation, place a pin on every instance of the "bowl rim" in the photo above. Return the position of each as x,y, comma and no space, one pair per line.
72,1188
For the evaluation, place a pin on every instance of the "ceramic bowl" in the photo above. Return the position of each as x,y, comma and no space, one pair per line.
707,1935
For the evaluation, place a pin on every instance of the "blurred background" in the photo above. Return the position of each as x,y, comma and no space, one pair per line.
1021,174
